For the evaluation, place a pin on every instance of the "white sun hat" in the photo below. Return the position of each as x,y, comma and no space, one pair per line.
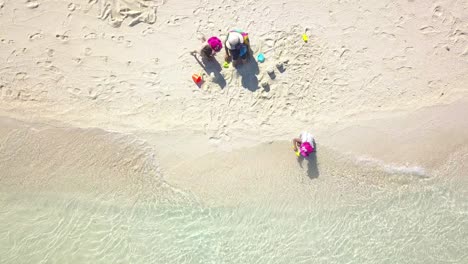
233,40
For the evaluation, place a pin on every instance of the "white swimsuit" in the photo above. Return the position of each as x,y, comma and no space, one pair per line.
307,137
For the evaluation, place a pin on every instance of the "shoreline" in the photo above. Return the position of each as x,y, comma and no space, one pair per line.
185,167
396,131
434,122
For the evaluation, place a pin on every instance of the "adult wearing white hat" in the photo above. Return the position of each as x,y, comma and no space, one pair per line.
237,46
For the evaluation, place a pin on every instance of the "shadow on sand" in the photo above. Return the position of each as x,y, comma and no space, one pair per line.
212,66
312,168
249,71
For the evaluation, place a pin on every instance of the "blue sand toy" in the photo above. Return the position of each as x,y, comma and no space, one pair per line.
260,57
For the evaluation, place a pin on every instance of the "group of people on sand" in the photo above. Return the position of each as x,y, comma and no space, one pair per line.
237,48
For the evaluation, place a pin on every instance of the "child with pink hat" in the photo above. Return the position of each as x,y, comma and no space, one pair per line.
304,145
209,48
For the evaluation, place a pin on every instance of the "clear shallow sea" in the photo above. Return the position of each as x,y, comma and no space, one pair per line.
85,197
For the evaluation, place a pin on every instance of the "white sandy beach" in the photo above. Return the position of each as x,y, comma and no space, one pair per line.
98,110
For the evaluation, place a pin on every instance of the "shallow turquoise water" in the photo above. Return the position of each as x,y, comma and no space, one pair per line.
90,198
427,226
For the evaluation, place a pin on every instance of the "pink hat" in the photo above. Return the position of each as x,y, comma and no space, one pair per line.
215,43
306,148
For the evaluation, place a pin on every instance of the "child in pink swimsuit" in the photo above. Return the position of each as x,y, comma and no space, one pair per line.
304,145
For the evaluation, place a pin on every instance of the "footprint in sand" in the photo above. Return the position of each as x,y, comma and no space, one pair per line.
409,49
176,20
62,37
90,36
16,53
88,33
435,84
379,32
427,30
437,12
88,51
404,69
35,36
21,75
197,11
147,31
92,93
211,25
121,39
150,75
77,60
465,52
7,41
118,39
74,90
32,4
50,52
151,84
349,30
44,63
270,43
395,59
71,7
